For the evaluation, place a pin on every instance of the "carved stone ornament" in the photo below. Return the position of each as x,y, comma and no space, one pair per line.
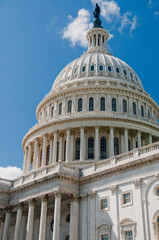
92,195
31,201
8,209
44,198
137,182
84,196
113,188
57,194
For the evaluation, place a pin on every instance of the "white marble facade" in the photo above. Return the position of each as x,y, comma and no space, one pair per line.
91,163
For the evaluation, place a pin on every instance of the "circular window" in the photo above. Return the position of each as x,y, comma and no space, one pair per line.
83,68
124,71
92,68
109,69
68,217
67,237
117,70
101,68
157,191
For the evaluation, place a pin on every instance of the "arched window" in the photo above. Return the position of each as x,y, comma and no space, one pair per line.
52,111
65,150
77,149
47,154
80,104
102,104
116,146
60,108
91,104
129,145
67,237
103,148
124,106
90,147
142,111
148,113
57,157
113,104
69,110
134,108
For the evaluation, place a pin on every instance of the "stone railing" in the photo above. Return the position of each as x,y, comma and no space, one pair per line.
46,171
135,154
5,183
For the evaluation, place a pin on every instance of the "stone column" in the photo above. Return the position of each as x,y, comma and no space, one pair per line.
18,223
126,139
6,224
44,150
42,230
150,138
57,216
29,232
139,139
82,145
74,218
23,226
29,158
60,149
35,160
25,160
111,142
92,230
97,143
68,145
134,142
55,148
84,218
51,151
1,227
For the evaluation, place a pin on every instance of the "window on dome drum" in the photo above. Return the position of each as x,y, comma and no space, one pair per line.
80,101
47,154
52,111
77,149
113,104
68,217
103,148
116,146
92,68
124,71
134,108
64,150
90,147
117,70
102,104
142,111
105,237
129,145
104,203
126,198
69,110
148,113
131,75
60,108
109,68
67,237
124,106
57,157
83,68
91,104
128,235
76,69
101,68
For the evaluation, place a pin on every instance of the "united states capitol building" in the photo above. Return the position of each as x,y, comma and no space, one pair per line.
91,163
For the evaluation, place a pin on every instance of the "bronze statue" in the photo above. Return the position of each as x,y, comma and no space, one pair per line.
96,11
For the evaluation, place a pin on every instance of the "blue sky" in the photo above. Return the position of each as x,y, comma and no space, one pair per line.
38,38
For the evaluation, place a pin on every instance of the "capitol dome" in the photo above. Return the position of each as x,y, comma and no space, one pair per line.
97,108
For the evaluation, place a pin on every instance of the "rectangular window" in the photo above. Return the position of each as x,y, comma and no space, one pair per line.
129,235
105,237
104,203
126,198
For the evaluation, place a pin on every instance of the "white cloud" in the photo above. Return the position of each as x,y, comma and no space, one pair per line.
77,27
10,172
156,14
76,30
150,4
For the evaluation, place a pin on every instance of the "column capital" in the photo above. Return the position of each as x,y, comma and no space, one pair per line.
75,197
57,194
36,139
8,209
19,206
92,195
31,201
96,127
137,182
44,135
84,196
44,198
113,188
